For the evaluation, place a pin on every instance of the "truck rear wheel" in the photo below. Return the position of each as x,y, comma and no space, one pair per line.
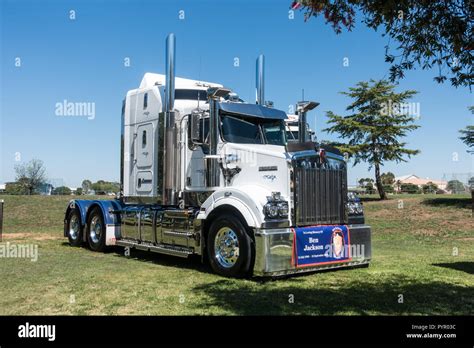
230,249
96,230
74,228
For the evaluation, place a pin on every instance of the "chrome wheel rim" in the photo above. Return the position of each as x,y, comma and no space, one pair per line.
96,229
74,227
226,247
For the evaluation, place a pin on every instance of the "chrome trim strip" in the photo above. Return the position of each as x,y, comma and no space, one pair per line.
311,153
162,249
178,234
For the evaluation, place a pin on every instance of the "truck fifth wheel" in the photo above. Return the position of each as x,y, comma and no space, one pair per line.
205,173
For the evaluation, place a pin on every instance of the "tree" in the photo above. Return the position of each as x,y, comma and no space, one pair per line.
468,134
468,137
387,178
62,190
471,187
102,187
375,126
362,182
79,191
14,188
455,186
86,186
425,33
369,188
409,188
30,176
399,185
429,187
387,181
388,189
367,184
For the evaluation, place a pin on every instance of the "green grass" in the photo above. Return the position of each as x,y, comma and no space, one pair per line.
412,256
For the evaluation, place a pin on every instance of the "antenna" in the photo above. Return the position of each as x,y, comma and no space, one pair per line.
302,94
199,95
200,65
199,78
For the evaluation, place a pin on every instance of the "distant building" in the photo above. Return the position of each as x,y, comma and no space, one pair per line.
416,180
3,187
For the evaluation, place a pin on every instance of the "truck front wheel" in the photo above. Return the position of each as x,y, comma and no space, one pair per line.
96,230
230,249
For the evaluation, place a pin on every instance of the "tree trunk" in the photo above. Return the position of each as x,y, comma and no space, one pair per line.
378,182
472,196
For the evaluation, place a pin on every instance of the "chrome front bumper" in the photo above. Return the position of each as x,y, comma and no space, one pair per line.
274,251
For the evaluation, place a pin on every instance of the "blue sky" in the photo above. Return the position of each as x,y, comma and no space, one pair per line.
82,60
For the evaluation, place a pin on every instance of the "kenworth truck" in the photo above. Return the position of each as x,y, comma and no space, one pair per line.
205,173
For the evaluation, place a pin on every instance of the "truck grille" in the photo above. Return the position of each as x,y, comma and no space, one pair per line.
320,195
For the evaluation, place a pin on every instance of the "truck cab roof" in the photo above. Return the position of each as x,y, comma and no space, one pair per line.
152,79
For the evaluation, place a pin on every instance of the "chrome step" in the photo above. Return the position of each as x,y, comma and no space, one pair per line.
179,234
160,248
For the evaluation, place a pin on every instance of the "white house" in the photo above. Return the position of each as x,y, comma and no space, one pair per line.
416,180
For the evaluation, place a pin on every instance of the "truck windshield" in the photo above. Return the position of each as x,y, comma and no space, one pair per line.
253,130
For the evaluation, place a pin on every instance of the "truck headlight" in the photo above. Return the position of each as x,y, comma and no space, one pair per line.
350,208
283,209
355,208
271,210
276,207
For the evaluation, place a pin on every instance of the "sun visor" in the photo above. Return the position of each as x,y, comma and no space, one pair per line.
252,110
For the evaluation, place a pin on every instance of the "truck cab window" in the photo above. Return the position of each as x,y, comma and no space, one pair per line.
252,130
238,130
274,133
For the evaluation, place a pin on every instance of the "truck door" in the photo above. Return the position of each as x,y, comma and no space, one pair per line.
195,168
144,143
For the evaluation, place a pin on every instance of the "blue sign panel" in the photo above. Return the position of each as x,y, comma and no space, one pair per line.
317,245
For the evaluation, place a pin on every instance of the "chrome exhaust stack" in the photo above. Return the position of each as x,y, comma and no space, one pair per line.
260,80
212,160
170,71
303,107
169,144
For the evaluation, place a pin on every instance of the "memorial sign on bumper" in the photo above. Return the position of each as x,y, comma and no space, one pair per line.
316,245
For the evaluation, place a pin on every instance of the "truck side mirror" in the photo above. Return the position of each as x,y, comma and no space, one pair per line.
197,130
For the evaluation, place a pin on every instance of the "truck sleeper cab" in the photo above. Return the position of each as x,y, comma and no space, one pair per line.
204,173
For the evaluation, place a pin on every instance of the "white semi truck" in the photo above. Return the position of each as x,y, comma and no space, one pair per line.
204,173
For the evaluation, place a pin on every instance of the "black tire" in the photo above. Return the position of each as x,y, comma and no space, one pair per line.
96,230
236,231
74,228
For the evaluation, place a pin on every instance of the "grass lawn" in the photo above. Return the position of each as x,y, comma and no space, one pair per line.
422,248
